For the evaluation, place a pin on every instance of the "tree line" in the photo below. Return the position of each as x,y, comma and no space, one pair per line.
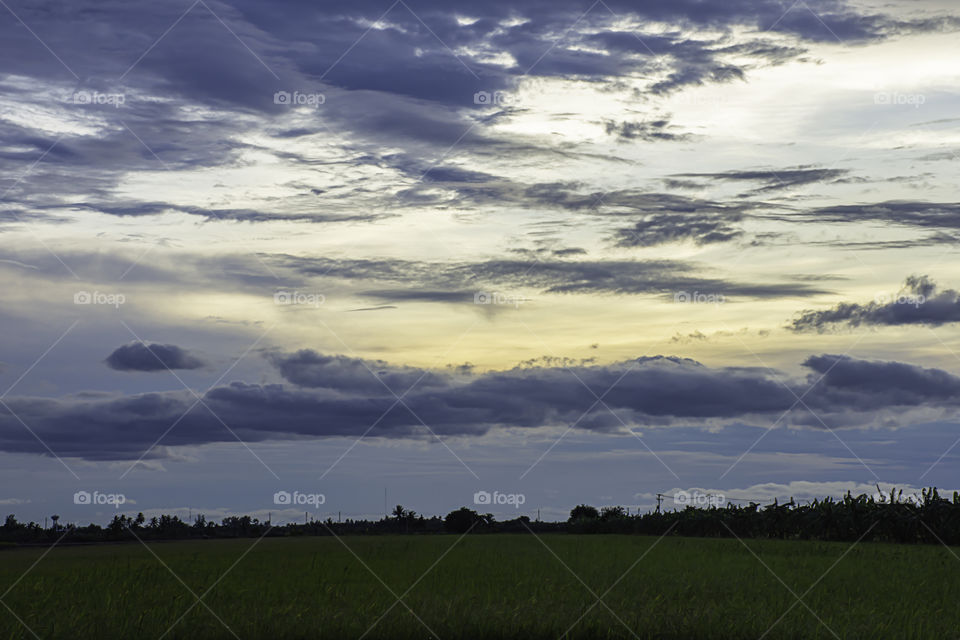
926,518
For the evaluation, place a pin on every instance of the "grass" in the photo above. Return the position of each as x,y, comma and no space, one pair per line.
494,586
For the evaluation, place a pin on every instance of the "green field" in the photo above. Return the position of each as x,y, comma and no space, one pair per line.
492,586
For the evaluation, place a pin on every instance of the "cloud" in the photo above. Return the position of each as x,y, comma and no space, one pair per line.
382,307
138,356
330,395
943,215
929,240
918,302
648,131
421,295
570,196
457,282
774,179
307,368
401,80
857,384
662,229
138,209
569,251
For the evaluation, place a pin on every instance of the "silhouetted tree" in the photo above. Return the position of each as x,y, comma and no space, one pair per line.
461,520
925,518
583,512
612,513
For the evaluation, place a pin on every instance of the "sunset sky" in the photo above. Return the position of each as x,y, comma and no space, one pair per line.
583,252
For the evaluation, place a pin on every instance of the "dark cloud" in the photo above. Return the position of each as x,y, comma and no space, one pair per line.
459,282
944,215
661,217
456,174
930,240
339,396
649,131
775,179
671,183
137,209
392,280
569,196
569,251
850,382
699,74
307,368
918,302
662,229
138,356
196,79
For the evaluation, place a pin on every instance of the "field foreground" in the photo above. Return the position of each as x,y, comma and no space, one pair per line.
481,586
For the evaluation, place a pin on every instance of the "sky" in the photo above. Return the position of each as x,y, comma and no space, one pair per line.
419,252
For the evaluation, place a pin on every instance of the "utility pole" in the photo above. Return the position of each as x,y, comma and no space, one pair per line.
659,500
